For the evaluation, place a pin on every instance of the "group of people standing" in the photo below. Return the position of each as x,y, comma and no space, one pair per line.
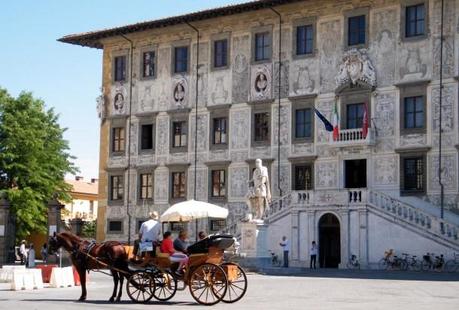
313,251
27,254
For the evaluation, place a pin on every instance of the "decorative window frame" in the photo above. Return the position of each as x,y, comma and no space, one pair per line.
299,105
146,120
178,117
144,49
412,154
117,53
219,113
145,170
119,122
353,13
212,166
174,169
299,163
304,22
217,37
262,108
403,5
412,90
261,29
115,232
181,43
353,97
110,174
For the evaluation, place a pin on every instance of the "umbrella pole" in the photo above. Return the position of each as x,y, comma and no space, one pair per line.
196,230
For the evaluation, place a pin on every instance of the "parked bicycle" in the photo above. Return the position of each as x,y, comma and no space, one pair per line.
391,261
452,265
353,262
432,262
410,262
275,259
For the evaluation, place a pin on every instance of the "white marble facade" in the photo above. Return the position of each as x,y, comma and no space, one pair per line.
245,86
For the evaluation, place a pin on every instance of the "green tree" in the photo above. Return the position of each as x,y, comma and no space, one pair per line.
34,159
89,229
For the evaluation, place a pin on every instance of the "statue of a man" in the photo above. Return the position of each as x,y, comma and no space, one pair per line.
259,194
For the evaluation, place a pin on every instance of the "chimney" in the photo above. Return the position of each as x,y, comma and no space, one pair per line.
94,180
78,178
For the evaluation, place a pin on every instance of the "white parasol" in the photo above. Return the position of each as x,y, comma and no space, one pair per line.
192,210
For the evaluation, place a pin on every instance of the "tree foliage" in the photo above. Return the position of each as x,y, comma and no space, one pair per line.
89,229
34,159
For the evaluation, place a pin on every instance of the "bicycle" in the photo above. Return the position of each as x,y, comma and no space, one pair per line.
410,262
275,259
391,261
452,265
353,262
432,262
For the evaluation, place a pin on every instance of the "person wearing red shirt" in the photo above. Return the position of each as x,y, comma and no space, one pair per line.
167,246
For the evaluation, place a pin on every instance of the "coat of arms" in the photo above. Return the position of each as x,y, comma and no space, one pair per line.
356,69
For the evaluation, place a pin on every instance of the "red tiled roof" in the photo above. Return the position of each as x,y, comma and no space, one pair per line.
83,187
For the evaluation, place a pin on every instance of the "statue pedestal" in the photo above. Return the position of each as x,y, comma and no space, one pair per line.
254,244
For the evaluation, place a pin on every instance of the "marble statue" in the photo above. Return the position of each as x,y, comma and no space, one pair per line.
259,194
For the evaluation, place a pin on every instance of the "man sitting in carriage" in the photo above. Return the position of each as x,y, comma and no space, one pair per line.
149,233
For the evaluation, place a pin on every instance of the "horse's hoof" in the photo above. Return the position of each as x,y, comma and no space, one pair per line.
82,298
118,299
112,299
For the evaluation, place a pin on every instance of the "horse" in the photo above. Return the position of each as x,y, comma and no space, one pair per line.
87,255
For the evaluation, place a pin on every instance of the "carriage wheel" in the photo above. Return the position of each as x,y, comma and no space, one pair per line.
237,286
165,286
208,284
140,287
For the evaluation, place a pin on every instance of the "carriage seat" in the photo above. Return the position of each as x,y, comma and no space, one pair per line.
221,242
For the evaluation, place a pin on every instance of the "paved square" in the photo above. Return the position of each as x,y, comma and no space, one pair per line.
313,290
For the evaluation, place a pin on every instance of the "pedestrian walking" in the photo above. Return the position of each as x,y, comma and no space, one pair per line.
23,252
44,253
285,244
313,253
31,257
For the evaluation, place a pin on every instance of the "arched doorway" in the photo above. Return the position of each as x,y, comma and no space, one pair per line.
329,241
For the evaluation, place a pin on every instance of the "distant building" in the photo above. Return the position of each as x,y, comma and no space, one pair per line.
84,200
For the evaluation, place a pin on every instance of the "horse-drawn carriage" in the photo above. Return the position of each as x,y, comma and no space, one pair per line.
209,277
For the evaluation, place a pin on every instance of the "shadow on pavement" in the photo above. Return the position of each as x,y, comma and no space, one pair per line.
361,274
106,302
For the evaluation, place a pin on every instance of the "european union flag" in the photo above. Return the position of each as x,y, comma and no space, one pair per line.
328,125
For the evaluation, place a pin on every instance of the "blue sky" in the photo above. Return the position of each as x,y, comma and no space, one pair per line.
68,77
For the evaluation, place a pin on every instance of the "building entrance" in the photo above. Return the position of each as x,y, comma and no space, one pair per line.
329,241
355,172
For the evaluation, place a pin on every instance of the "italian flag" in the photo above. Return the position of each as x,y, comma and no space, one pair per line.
365,124
335,123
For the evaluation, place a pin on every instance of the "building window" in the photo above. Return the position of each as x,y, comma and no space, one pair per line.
356,30
413,171
261,127
262,46
414,112
118,139
220,131
148,67
146,137
354,115
303,123
139,223
217,225
117,187
302,177
181,59
115,227
120,68
178,185
218,183
415,17
179,134
178,226
220,53
146,186
304,39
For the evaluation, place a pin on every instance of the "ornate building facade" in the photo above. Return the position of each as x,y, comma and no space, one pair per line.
264,69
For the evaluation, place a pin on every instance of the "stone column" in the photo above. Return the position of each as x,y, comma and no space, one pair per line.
312,234
363,238
294,240
344,233
54,216
4,215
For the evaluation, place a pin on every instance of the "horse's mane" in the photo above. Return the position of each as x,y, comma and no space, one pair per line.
69,236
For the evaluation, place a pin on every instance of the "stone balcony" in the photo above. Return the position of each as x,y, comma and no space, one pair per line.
353,137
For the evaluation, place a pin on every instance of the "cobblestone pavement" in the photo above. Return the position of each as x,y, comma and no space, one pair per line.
314,290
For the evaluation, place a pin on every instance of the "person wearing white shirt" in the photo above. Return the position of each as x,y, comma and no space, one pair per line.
285,244
150,230
23,252
313,253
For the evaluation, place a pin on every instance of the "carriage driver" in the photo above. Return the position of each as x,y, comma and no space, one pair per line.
150,230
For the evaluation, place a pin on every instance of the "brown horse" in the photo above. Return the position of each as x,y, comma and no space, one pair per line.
110,254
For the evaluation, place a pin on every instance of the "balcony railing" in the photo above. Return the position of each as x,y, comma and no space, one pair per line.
348,137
